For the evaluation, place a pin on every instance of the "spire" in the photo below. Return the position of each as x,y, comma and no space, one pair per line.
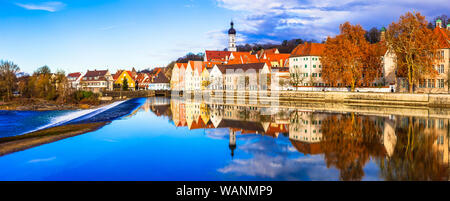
383,34
232,30
439,23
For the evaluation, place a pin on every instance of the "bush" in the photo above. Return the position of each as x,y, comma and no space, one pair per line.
86,97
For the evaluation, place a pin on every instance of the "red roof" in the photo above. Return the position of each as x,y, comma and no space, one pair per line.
217,55
75,75
96,73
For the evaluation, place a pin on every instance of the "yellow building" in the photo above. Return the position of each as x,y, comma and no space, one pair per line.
121,75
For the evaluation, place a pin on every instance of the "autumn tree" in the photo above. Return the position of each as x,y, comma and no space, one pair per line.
415,156
349,142
414,46
8,78
345,58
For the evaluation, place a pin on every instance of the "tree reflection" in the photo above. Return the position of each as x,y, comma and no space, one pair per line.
415,155
348,143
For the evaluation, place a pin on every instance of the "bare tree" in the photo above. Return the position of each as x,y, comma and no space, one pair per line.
8,77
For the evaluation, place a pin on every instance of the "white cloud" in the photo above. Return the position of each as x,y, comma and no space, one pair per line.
317,19
50,6
41,160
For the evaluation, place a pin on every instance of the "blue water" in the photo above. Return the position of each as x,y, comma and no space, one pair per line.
19,122
145,144
14,123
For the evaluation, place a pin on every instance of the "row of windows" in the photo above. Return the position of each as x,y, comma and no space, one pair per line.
295,75
306,59
90,78
306,66
431,83
96,84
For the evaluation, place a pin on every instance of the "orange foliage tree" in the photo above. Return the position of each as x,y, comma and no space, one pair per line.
348,143
349,58
414,46
416,156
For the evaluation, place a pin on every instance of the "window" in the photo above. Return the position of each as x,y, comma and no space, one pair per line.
441,83
314,66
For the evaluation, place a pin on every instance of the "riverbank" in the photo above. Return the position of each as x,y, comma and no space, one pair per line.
366,98
44,105
21,142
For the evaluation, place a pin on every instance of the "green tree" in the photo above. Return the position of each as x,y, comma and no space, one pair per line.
8,77
44,70
125,84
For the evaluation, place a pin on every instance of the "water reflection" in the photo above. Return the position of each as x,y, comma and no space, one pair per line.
403,148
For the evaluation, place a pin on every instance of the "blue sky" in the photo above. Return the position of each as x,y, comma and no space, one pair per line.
76,35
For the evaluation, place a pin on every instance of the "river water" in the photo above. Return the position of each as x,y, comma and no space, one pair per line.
162,139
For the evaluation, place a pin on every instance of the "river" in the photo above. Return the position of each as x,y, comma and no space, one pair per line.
162,139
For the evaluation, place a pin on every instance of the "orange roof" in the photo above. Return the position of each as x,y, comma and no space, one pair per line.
119,72
308,49
307,148
443,37
243,58
179,65
277,128
197,124
197,66
209,64
283,58
261,52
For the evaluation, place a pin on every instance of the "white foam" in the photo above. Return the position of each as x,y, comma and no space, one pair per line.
76,114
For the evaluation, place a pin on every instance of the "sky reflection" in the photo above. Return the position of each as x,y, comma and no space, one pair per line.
167,139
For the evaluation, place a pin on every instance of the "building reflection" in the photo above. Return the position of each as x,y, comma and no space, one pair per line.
404,148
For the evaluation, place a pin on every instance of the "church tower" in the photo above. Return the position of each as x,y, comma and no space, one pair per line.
232,143
232,38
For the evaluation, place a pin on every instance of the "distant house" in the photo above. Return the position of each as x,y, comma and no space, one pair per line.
193,74
97,81
143,80
160,82
122,75
304,65
74,80
177,79
238,76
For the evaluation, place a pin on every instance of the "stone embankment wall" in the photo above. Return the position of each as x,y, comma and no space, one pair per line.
366,98
430,100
